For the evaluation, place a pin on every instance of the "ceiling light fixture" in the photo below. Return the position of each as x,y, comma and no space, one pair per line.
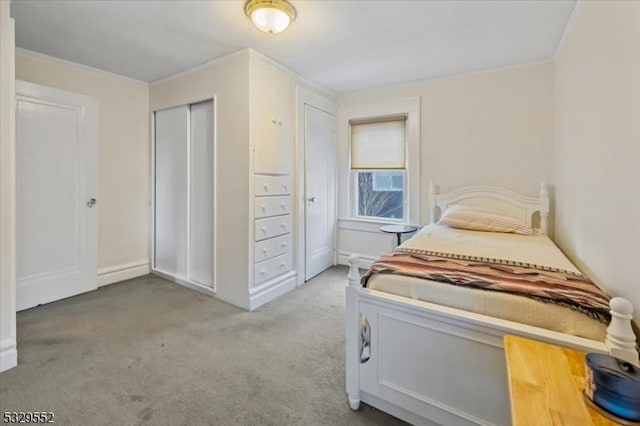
270,16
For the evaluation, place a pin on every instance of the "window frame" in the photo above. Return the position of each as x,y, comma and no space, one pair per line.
348,183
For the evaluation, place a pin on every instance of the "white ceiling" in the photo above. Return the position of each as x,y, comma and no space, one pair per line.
343,46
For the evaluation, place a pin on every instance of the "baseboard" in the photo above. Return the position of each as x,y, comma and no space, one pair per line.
271,290
8,354
365,260
122,272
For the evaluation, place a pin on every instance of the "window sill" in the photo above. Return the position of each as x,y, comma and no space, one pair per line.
373,220
366,225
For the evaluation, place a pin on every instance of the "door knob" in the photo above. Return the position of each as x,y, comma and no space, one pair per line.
92,202
311,199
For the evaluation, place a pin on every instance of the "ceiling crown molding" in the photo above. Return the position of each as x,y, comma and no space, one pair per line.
87,68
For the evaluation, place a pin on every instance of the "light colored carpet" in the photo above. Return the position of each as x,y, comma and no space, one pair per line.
146,351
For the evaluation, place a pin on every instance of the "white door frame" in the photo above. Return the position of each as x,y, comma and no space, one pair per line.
210,291
8,346
90,133
307,97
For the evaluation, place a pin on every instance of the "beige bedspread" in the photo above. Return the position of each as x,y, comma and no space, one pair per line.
536,250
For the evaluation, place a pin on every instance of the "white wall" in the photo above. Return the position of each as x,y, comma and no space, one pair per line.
8,352
597,145
228,80
488,128
123,175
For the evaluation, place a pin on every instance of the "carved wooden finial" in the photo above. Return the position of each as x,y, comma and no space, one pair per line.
544,208
354,272
432,202
621,341
543,189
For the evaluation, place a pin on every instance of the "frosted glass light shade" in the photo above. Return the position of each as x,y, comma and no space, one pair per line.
270,16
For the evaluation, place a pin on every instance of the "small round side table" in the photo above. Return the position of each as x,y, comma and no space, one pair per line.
398,230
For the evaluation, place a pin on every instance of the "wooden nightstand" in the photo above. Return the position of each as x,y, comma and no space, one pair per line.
546,384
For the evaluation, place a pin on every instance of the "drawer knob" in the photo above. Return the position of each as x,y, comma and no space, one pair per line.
263,207
283,226
266,187
263,272
279,123
264,250
284,245
283,206
282,264
264,229
274,121
284,185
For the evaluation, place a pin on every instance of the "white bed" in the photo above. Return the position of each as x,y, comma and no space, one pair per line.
531,249
433,364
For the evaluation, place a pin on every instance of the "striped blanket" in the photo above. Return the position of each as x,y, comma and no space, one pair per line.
534,281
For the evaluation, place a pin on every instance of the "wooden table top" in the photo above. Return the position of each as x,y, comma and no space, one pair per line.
546,384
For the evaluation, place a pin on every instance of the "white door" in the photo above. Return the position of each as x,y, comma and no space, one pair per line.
320,141
57,156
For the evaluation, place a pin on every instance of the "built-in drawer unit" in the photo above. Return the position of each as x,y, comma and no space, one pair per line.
271,268
266,249
272,227
272,206
272,185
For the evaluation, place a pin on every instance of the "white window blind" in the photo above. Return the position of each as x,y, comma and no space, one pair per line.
378,143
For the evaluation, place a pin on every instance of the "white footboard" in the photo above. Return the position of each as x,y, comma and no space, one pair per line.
430,364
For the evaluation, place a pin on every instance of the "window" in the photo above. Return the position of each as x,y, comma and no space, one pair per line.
375,200
388,181
378,167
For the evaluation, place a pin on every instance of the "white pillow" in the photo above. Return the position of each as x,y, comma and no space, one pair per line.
477,219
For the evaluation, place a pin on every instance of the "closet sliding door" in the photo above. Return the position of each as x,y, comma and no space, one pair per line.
184,193
172,129
201,194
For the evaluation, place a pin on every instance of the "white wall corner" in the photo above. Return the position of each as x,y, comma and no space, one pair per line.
126,271
8,354
567,29
242,303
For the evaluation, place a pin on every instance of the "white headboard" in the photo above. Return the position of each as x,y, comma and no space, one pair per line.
497,199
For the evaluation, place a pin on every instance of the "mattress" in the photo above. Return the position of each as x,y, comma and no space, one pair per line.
536,249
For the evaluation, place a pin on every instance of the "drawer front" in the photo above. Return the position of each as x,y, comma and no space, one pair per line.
272,185
272,247
271,268
272,206
272,227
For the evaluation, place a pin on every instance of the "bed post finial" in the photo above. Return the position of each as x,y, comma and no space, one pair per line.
432,202
544,208
621,341
354,272
352,328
